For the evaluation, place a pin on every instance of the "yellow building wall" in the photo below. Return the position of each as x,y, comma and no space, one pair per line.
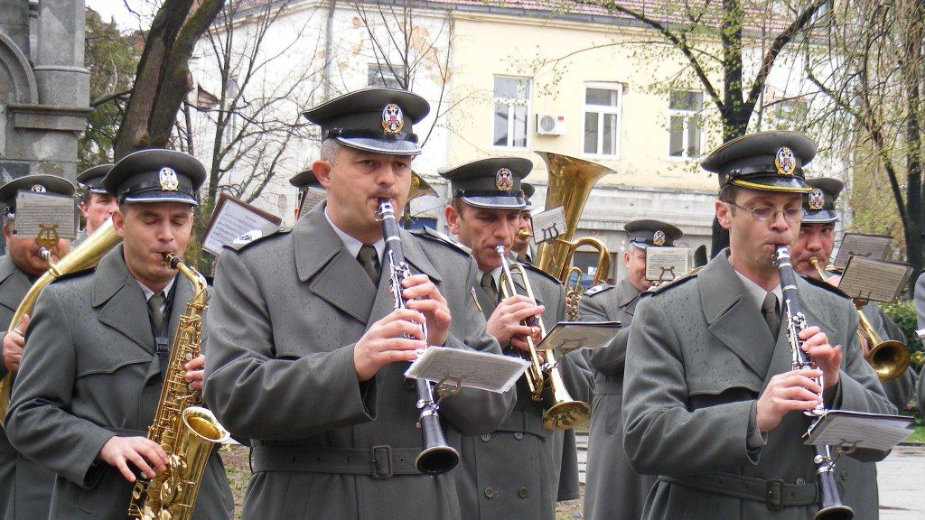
485,46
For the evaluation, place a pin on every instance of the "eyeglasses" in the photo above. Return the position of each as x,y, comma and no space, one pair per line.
765,214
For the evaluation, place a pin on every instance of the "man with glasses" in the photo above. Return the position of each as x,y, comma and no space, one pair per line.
711,403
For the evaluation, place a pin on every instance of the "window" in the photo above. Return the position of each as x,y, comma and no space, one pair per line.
685,124
385,75
512,112
602,119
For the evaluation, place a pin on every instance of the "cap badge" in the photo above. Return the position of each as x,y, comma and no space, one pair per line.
785,162
504,180
816,200
37,188
392,119
168,179
658,238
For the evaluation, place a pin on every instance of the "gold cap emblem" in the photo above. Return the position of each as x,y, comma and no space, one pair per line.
168,179
38,188
816,200
392,119
504,180
785,162
658,238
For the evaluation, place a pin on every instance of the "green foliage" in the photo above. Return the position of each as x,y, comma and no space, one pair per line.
903,314
112,59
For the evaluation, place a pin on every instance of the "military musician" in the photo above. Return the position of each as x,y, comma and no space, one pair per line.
92,371
614,491
25,485
521,469
96,205
307,354
711,403
521,246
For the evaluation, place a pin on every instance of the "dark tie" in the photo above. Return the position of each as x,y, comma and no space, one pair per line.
488,285
771,315
156,310
369,259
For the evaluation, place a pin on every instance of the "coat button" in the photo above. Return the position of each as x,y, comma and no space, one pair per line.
800,481
489,492
523,492
518,435
844,475
486,438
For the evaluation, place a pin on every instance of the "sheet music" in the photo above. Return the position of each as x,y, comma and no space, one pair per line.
232,219
859,244
861,430
870,279
664,264
49,211
472,369
548,225
313,197
567,336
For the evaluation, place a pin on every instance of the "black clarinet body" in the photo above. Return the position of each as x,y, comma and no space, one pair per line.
832,506
437,457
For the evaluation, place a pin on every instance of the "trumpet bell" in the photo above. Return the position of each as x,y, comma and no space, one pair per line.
889,359
567,415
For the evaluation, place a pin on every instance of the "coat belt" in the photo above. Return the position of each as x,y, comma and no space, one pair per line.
775,493
521,421
379,461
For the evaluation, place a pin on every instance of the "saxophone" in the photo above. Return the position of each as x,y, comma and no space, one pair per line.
185,430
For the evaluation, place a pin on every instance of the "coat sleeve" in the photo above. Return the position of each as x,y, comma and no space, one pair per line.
660,429
3,369
245,380
473,411
38,423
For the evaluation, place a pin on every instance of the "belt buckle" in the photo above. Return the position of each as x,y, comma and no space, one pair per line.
774,494
380,458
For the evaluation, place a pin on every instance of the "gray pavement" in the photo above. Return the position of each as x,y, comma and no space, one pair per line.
900,477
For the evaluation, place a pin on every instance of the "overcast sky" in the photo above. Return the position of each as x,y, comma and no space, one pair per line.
125,20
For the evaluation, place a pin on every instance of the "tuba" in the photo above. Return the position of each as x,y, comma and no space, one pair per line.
185,430
890,358
565,413
86,255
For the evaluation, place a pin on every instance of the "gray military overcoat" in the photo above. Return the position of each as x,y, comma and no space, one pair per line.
26,484
613,490
520,470
90,372
287,312
699,355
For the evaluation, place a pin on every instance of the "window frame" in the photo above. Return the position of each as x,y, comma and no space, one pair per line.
510,120
687,115
601,110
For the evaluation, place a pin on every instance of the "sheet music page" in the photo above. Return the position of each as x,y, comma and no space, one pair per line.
664,264
234,219
567,336
859,244
871,279
35,211
314,197
491,372
548,225
862,430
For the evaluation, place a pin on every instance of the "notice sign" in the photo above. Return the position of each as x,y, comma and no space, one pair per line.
231,219
664,264
44,214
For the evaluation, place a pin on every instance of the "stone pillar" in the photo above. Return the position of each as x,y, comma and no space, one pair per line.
59,65
14,22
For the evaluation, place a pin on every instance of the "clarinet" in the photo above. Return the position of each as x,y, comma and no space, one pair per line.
436,457
832,507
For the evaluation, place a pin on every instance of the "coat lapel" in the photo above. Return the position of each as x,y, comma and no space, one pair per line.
782,361
731,317
15,284
627,296
120,301
331,272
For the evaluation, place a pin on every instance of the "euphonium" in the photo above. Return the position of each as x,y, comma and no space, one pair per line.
86,255
565,413
890,358
186,431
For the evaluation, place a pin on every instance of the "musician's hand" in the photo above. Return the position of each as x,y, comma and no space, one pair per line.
787,392
826,357
423,296
385,343
506,322
142,452
194,369
13,343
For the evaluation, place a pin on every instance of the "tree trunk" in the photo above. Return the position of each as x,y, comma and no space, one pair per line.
912,80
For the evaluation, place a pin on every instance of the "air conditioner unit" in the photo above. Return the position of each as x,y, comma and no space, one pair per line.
550,124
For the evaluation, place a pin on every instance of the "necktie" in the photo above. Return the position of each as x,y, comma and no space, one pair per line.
369,259
771,315
488,285
156,310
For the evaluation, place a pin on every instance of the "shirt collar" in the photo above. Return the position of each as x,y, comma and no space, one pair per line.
353,245
148,292
755,292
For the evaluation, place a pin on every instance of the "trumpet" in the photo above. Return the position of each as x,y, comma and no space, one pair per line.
565,413
890,358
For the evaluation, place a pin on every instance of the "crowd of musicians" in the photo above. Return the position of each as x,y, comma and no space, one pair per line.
696,408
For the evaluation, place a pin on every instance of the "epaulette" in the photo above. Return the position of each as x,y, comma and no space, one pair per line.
75,274
533,268
436,236
597,289
256,235
825,285
674,283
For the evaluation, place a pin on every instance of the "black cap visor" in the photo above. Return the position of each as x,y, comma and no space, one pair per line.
160,196
512,201
772,182
385,146
823,216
